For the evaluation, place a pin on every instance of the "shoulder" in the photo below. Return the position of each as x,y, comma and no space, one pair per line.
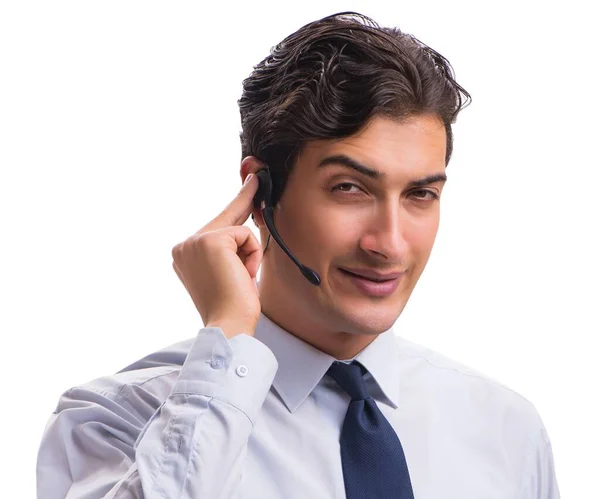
463,388
141,387
438,365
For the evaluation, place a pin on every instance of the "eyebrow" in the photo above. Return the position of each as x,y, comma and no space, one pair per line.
343,160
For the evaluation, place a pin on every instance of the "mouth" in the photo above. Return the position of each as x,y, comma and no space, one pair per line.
376,287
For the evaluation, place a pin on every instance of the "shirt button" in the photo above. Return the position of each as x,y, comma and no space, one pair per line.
241,370
217,362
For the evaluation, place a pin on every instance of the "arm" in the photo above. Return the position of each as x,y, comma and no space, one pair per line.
539,478
95,444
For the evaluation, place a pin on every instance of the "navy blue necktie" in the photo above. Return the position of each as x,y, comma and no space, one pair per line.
373,461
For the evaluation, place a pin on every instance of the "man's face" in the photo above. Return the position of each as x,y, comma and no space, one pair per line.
335,218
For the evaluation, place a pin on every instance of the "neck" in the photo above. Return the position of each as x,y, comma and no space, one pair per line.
309,322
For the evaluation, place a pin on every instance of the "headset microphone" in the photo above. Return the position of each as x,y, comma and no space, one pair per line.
263,194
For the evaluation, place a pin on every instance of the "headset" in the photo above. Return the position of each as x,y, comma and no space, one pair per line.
262,200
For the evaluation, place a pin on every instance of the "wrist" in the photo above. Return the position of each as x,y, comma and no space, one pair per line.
232,328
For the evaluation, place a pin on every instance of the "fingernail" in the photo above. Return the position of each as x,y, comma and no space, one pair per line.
248,178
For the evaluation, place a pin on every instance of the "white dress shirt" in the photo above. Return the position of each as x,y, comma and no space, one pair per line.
254,417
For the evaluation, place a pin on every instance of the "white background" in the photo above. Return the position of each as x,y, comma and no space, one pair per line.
119,138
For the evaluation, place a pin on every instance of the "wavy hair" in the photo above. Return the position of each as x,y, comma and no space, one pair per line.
329,78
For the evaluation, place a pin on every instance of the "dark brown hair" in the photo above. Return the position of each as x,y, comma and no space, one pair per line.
329,78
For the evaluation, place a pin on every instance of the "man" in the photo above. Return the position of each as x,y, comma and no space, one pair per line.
297,389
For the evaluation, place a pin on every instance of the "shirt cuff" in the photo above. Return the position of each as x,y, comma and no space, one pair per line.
239,371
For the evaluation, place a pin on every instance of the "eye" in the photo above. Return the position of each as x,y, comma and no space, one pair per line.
424,193
342,187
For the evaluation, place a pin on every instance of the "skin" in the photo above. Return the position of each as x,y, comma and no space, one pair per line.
379,224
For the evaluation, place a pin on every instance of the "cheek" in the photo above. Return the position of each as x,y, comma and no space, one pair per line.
333,232
328,233
421,236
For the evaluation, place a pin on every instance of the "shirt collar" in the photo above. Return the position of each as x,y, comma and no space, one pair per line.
302,366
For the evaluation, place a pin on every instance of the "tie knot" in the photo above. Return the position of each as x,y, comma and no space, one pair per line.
350,378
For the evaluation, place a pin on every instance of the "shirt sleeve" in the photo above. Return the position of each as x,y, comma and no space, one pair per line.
539,480
193,446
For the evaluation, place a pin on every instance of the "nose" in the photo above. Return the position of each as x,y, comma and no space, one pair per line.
385,233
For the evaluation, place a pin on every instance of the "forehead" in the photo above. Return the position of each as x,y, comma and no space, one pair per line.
411,147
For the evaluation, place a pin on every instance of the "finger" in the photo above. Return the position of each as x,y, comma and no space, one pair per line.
251,255
244,243
238,210
179,274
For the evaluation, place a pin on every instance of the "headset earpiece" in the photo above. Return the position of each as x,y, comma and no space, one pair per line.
264,188
264,194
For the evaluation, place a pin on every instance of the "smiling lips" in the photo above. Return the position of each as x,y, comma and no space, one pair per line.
373,283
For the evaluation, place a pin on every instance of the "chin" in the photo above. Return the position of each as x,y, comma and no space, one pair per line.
369,319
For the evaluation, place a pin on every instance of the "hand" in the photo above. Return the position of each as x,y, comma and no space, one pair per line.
218,267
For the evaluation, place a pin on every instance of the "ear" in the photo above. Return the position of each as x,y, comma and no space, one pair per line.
251,164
